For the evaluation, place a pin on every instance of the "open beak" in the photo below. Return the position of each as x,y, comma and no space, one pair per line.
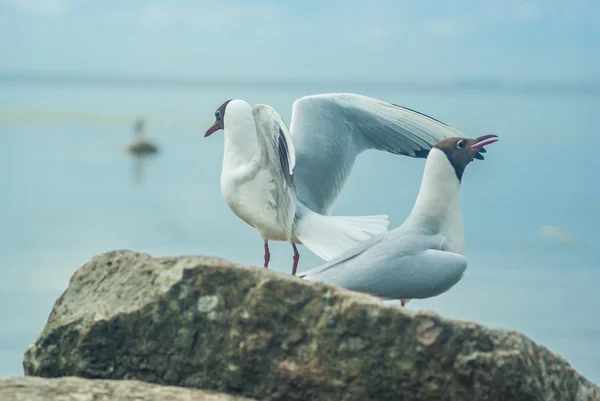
213,128
480,143
483,141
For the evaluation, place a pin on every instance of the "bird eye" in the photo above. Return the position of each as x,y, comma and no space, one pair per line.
218,114
460,144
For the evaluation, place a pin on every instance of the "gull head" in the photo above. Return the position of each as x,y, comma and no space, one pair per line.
231,110
462,151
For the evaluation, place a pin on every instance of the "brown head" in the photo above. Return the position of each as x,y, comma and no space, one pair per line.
461,151
219,119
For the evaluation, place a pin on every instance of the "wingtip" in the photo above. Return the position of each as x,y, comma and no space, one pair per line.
422,153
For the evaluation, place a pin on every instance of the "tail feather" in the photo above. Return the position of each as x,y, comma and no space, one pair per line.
330,236
367,223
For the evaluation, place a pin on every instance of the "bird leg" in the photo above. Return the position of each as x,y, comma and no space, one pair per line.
267,255
296,259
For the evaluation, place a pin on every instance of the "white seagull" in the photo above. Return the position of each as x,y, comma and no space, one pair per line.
284,182
424,256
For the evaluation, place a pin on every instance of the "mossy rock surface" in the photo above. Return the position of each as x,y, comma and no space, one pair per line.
206,323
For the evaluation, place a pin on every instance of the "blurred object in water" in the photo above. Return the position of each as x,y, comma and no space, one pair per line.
139,145
140,148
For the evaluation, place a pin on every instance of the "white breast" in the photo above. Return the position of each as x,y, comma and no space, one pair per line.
252,200
437,208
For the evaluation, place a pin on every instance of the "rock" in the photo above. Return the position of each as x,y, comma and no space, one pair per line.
206,323
77,389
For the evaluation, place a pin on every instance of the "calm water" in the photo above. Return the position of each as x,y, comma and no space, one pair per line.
69,192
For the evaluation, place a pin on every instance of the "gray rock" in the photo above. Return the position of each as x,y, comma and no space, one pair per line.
207,323
78,389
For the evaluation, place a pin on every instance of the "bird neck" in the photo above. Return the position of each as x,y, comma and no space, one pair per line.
437,208
240,138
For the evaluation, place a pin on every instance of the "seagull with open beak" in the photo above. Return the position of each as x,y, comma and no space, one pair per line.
423,257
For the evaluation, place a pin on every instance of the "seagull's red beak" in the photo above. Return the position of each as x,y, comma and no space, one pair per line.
483,141
213,128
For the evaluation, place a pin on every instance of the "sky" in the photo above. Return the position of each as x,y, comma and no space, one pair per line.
380,40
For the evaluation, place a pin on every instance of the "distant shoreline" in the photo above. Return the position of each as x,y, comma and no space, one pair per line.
463,85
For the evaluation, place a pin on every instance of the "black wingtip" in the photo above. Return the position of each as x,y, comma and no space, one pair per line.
422,153
283,157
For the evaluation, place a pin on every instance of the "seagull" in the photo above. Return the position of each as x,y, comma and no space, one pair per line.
284,182
139,145
423,257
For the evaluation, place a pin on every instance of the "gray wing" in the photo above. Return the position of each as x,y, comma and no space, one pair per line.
344,257
331,130
277,156
395,268
275,146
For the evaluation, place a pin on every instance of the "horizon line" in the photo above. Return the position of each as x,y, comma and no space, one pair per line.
477,84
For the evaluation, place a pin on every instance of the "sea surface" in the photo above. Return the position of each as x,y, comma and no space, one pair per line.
68,192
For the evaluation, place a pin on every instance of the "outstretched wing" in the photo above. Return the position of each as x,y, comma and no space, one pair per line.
331,130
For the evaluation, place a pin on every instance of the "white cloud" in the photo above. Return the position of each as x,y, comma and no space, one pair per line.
556,233
46,8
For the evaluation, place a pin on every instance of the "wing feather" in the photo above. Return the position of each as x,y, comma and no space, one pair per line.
330,130
276,155
275,146
394,266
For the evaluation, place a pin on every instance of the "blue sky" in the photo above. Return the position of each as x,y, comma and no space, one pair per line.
378,40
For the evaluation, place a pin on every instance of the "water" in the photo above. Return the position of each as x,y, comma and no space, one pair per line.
69,192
